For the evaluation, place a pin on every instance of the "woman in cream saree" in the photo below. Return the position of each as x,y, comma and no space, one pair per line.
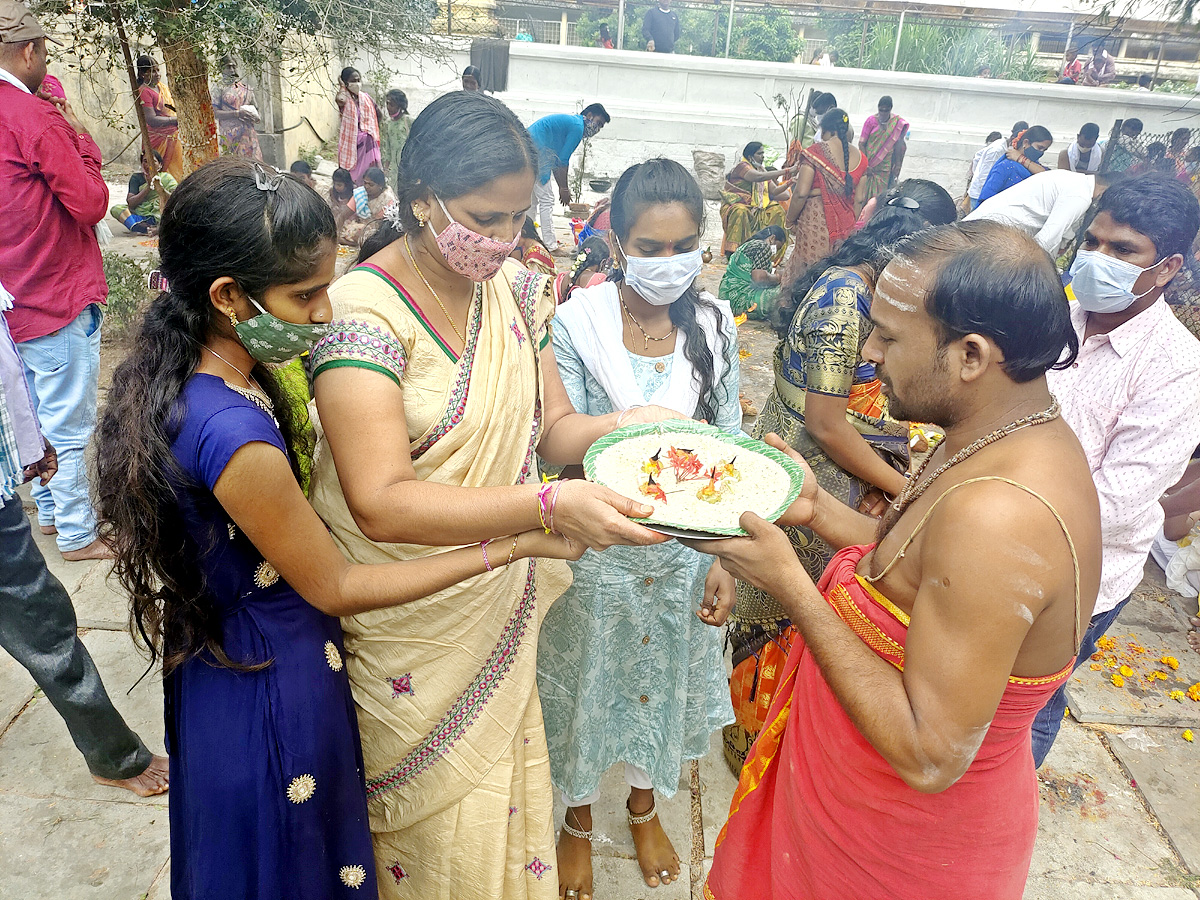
445,687
434,391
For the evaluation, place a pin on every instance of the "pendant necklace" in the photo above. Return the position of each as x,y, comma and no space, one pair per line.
646,338
429,287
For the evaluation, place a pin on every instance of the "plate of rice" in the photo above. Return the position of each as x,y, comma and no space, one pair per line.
698,478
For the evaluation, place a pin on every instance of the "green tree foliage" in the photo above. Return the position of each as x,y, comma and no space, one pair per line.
928,47
192,36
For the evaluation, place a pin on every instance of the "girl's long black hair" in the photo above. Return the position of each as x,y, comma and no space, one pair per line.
910,206
659,181
837,122
459,142
218,222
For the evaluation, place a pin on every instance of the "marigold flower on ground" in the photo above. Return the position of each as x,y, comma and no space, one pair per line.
1118,681
1126,671
1097,655
1193,693
1106,643
1170,661
1187,735
1158,675
1096,667
1176,695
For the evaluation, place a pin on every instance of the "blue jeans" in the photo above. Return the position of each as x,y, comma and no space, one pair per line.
63,369
1049,720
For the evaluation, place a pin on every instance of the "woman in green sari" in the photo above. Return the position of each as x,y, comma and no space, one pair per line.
751,199
750,285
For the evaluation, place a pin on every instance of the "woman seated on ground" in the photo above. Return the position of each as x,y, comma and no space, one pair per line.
341,197
828,404
368,203
750,285
139,212
827,196
531,252
751,198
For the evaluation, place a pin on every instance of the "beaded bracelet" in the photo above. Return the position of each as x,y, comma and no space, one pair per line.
543,510
483,546
512,553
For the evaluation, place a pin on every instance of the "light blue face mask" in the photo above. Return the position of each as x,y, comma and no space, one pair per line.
1104,284
269,339
661,280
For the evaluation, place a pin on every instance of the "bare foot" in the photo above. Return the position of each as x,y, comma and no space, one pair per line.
575,856
97,549
1193,636
151,782
47,529
656,855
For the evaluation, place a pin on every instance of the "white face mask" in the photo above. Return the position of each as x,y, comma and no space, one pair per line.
661,280
1103,283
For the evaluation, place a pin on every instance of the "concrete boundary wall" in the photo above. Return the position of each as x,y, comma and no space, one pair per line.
671,105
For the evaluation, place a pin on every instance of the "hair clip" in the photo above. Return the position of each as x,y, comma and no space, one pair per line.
265,181
906,202
392,214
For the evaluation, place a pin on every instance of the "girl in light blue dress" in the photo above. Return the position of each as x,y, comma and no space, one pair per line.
628,669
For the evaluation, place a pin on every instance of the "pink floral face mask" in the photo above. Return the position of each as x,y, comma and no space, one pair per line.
469,253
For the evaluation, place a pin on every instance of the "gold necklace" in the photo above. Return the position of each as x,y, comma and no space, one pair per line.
646,339
245,377
914,489
445,312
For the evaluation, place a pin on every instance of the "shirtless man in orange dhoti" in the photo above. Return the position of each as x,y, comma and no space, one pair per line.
896,756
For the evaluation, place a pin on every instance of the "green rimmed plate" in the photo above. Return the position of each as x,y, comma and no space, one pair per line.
769,484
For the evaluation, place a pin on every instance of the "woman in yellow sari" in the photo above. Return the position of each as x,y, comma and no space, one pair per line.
751,198
434,392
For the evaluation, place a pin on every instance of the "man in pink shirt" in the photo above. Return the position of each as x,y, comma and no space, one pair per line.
51,195
1132,394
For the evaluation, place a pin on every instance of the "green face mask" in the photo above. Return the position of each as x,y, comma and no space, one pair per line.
269,339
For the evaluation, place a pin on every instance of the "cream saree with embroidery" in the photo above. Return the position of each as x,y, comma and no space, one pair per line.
457,772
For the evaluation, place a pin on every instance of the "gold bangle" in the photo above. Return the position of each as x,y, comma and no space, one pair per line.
512,552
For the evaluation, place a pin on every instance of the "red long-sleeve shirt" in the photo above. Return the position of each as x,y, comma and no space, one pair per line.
51,194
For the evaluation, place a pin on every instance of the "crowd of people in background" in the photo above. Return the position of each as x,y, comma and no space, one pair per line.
366,592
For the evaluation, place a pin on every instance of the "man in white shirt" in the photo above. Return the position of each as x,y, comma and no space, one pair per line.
1132,394
1049,205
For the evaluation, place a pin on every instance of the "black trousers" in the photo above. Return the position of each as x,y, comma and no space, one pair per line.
38,627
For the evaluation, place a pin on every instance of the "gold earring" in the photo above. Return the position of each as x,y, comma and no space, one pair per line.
422,218
233,320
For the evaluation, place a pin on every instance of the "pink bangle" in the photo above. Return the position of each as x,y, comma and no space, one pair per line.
554,502
483,546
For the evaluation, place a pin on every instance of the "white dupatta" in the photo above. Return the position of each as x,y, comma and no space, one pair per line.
593,318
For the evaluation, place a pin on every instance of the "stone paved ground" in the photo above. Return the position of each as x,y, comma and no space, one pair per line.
1120,817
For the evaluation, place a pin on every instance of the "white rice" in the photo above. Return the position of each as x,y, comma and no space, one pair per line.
763,486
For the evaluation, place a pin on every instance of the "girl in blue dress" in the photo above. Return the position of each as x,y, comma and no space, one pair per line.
629,669
235,583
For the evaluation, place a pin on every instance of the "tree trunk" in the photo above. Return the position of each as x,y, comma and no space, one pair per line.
187,74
